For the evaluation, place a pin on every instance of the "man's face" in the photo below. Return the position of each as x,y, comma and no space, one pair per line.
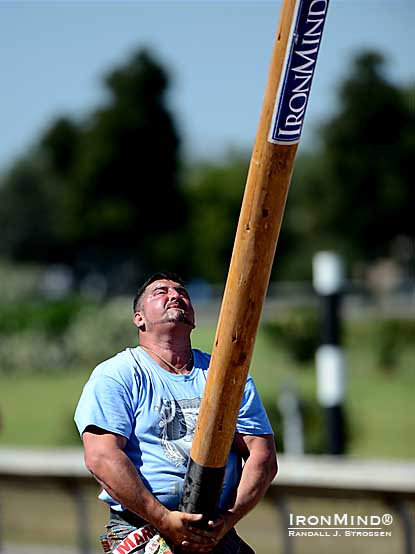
164,302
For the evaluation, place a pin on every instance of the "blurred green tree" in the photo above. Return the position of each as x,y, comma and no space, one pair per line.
214,193
126,199
355,193
28,213
107,195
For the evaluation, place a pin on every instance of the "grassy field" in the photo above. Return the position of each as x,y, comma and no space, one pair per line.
379,405
37,410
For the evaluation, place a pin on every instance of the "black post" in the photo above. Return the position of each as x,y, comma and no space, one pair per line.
328,282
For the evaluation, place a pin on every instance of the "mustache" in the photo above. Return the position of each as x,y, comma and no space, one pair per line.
179,304
176,304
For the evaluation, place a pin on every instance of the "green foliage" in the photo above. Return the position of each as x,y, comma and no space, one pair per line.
377,172
214,194
51,336
125,194
352,193
109,194
313,424
18,282
389,342
32,332
100,332
29,213
102,194
31,351
49,316
393,336
355,193
377,403
297,331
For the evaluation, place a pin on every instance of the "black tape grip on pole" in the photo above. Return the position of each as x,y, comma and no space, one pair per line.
201,489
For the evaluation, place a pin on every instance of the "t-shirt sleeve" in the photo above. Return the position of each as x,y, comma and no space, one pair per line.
106,403
252,419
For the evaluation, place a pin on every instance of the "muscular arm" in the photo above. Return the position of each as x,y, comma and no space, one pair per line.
258,471
106,460
111,467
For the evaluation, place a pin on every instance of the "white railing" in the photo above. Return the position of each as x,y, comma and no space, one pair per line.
391,482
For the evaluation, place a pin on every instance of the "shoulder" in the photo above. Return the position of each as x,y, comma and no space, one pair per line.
109,398
201,359
117,364
123,367
116,379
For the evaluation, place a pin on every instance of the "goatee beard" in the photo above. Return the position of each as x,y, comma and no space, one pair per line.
181,317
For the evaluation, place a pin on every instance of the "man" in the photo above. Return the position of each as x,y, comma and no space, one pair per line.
137,416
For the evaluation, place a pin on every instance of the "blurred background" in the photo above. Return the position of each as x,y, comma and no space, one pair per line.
127,130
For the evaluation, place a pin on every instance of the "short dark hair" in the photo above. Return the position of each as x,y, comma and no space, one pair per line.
167,275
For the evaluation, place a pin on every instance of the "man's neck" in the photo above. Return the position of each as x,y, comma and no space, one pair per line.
175,349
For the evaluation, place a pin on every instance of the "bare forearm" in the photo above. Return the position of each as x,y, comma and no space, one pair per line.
120,479
255,480
106,460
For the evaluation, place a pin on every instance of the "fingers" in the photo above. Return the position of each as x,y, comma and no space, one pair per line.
199,536
185,532
216,523
191,517
198,539
188,546
189,522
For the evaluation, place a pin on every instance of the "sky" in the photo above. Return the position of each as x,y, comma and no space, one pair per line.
54,54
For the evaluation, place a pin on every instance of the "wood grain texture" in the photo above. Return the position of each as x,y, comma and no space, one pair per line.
259,224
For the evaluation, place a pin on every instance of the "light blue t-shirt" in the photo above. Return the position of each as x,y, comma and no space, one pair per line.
132,396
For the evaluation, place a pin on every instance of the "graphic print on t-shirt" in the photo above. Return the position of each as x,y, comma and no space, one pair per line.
177,426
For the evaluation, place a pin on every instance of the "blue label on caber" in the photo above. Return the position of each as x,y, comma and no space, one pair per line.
298,70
